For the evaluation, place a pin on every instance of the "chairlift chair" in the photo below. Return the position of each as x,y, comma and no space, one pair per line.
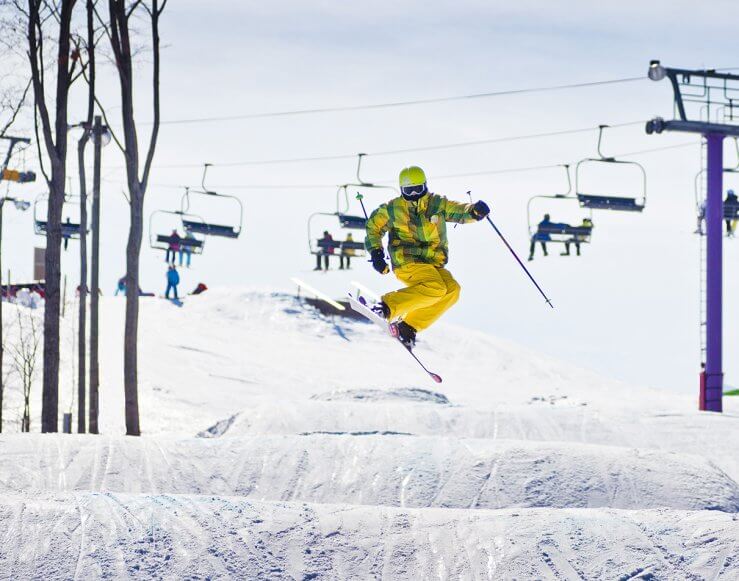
609,201
197,225
70,230
562,233
343,205
333,247
163,241
346,220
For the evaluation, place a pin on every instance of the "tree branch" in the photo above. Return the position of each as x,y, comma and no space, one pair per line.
155,13
15,110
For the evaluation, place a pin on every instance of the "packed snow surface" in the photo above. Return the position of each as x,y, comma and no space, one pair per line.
281,444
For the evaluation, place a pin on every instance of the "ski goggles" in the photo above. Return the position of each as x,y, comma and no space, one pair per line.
413,190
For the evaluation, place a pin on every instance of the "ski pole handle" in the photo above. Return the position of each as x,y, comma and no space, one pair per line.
360,197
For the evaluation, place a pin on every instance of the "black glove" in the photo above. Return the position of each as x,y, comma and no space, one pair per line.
480,210
378,261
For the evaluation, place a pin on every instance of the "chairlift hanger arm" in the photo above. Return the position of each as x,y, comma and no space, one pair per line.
566,166
13,142
311,238
202,180
565,196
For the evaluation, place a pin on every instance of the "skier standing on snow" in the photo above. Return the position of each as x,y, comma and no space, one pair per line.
418,248
173,279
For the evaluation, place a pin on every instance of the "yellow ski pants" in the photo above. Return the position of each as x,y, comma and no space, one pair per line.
430,291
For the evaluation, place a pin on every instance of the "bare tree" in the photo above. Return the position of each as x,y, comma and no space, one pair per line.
24,353
14,91
120,15
42,16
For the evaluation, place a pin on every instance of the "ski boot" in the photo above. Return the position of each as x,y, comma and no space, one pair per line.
382,310
404,333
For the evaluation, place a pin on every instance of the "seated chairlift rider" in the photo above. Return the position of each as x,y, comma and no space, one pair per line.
542,236
326,249
587,224
347,253
174,247
731,208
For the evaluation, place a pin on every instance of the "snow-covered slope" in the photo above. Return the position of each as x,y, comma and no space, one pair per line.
111,536
374,469
281,444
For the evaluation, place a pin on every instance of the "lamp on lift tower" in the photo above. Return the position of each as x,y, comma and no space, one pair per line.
656,71
105,136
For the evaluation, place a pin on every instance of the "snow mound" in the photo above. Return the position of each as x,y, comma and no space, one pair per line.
374,469
413,394
151,536
688,431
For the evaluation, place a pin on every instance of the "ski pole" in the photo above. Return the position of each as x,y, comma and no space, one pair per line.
526,270
360,197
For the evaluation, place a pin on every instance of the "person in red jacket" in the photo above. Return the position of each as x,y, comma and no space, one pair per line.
174,247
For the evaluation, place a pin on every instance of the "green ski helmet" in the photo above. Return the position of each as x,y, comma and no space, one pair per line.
412,182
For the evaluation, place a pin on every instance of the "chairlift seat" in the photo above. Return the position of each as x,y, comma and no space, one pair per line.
69,230
352,222
567,230
325,245
352,245
210,229
616,203
183,242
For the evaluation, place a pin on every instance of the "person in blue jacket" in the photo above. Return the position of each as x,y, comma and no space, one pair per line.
541,236
173,279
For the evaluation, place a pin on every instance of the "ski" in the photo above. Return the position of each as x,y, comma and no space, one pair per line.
359,305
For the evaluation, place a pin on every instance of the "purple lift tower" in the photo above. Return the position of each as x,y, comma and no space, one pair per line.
714,98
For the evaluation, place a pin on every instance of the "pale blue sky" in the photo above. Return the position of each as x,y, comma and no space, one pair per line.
627,308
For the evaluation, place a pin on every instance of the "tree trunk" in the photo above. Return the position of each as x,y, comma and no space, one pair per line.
82,322
130,371
52,308
121,45
55,139
95,289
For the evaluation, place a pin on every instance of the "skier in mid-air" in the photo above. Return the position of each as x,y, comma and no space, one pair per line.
418,248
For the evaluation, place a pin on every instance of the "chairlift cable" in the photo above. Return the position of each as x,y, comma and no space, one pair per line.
405,150
447,176
408,103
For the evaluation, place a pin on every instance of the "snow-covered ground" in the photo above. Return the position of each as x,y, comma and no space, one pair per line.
281,444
